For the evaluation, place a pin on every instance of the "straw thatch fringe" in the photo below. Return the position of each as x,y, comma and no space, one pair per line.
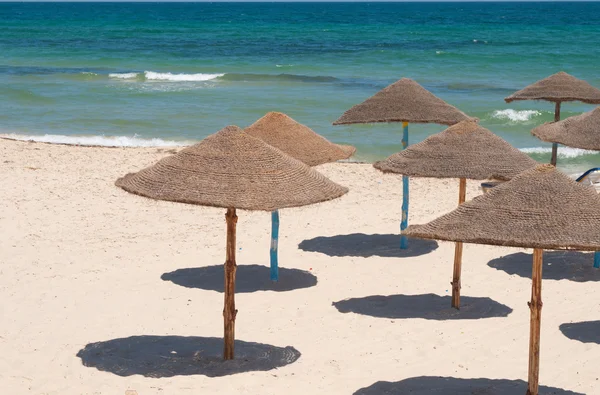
232,169
465,150
297,140
580,131
558,87
540,208
403,101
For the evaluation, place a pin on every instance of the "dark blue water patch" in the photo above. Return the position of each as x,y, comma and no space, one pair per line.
278,77
35,70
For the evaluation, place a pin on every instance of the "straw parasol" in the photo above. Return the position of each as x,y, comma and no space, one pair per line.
300,142
580,131
404,101
465,151
297,140
517,214
558,88
232,169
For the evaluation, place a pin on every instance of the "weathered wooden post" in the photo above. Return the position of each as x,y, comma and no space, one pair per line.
534,327
404,221
462,194
229,311
274,244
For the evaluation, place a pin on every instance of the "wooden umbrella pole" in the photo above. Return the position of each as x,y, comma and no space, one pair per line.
404,222
274,245
555,145
229,311
458,248
534,329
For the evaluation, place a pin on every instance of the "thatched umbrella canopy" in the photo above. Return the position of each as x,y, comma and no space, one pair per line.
580,131
558,88
300,142
232,169
403,101
465,151
540,208
297,140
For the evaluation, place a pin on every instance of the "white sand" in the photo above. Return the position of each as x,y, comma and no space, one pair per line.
81,262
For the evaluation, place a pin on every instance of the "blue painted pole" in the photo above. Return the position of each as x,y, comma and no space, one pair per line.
274,242
597,260
404,222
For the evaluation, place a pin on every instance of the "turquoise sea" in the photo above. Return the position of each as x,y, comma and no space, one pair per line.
173,73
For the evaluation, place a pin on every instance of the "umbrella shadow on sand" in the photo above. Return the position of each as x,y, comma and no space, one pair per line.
585,332
168,356
363,245
428,306
249,278
429,385
558,265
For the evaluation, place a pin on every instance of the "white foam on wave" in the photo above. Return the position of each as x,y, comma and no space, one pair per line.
153,76
515,115
104,141
123,76
563,152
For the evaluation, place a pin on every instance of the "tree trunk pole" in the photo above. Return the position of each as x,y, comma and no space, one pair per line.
229,311
404,222
458,248
534,327
555,145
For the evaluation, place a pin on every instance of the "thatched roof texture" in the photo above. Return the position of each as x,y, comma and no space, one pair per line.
403,101
540,208
232,169
558,87
297,140
580,131
465,150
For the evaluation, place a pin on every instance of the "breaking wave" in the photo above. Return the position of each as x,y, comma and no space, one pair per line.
563,152
515,115
103,141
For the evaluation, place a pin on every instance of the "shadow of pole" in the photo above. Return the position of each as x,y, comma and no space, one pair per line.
558,265
362,245
429,385
250,278
585,332
168,356
427,306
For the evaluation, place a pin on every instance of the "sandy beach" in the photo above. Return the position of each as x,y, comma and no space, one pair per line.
83,261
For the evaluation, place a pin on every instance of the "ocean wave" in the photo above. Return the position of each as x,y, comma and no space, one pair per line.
153,76
165,77
103,141
123,76
515,115
563,152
